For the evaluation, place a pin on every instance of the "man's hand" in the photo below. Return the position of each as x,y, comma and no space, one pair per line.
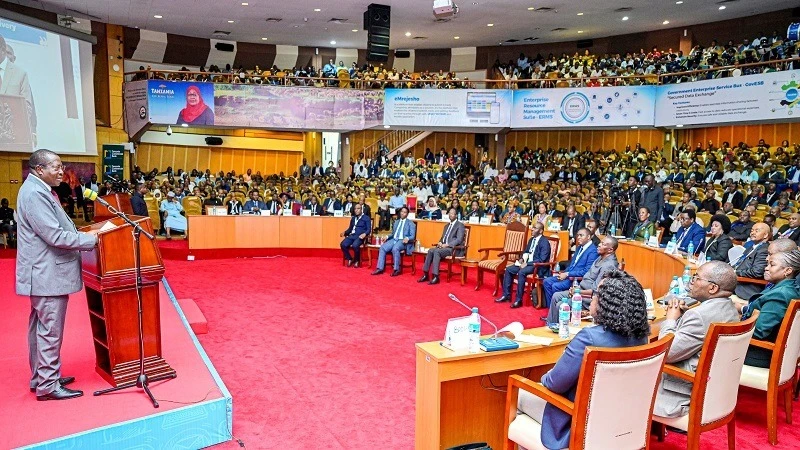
571,291
562,276
362,236
675,309
405,240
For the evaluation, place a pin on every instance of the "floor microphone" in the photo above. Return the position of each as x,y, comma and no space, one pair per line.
455,299
89,194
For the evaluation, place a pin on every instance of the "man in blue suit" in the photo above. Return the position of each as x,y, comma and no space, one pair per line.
537,251
690,231
582,260
254,205
402,238
354,235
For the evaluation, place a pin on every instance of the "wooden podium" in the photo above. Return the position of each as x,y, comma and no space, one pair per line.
120,202
109,275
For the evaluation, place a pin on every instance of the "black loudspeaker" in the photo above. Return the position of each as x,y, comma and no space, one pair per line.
402,54
377,22
480,140
223,47
213,140
796,12
586,43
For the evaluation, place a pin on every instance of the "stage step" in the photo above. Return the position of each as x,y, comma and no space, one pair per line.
193,314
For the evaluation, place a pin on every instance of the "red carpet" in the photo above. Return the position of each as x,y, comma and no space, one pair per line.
320,356
26,421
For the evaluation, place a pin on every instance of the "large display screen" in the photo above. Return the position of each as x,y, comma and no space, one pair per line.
46,91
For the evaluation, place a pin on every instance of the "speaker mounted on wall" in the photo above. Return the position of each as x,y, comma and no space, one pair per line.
213,140
377,22
402,54
223,47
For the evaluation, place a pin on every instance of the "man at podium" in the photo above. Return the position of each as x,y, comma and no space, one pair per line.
48,270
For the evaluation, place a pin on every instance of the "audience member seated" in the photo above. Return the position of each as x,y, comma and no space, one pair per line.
404,231
8,224
536,251
431,210
645,228
360,227
234,207
212,200
171,210
740,229
753,261
273,205
475,211
717,246
572,222
790,230
712,286
254,205
452,236
606,262
690,232
619,310
331,204
313,207
583,258
781,273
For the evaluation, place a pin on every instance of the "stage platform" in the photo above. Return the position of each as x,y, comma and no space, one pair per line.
196,407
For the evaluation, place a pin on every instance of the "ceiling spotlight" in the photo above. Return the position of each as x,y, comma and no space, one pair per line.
722,7
354,31
580,31
666,22
333,42
317,10
489,24
169,130
634,127
679,2
408,33
531,8
230,21
456,37
185,125
580,14
264,39
158,16
625,18
386,126
245,4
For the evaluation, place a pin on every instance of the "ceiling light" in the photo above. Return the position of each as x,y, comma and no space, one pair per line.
264,39
456,37
333,42
580,31
158,16
317,10
386,126
230,21
185,125
580,14
354,31
722,7
634,127
625,18
679,125
245,4
666,22
489,24
531,8
679,2
408,33
169,130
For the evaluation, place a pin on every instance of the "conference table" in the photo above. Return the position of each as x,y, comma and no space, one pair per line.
460,396
210,232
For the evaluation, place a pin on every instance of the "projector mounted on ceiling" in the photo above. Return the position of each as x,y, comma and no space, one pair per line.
444,9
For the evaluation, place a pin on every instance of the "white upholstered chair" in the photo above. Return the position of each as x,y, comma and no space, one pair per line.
780,377
735,253
715,384
611,380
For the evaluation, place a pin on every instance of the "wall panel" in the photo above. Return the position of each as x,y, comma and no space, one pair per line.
772,133
217,158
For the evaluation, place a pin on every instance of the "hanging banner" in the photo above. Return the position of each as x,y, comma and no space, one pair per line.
113,156
181,102
766,96
136,114
448,107
584,107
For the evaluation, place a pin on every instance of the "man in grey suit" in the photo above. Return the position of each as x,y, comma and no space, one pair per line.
712,286
607,261
753,261
15,82
48,270
452,236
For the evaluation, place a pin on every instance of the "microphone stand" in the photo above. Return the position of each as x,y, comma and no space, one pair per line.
142,380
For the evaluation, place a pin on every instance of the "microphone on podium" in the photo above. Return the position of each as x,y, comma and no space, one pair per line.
89,194
455,299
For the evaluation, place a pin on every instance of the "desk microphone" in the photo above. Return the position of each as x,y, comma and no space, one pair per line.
89,194
455,299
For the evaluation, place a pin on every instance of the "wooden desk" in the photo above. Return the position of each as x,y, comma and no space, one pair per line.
453,404
231,232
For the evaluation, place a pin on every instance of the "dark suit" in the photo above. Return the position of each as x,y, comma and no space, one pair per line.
494,211
326,205
352,237
653,199
477,213
579,265
740,231
273,206
694,234
717,248
395,246
234,208
539,254
138,205
785,231
254,206
452,236
771,197
736,198
316,209
578,223
751,265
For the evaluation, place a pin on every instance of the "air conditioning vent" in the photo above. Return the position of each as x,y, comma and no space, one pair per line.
530,39
420,38
220,33
509,41
545,9
337,20
442,20
624,9
559,29
274,19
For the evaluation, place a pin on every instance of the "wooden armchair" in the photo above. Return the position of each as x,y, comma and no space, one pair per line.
459,253
363,249
713,405
782,373
536,280
611,380
513,246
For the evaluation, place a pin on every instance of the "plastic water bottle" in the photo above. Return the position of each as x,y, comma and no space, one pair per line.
577,305
646,236
563,319
613,230
675,287
686,279
690,252
474,331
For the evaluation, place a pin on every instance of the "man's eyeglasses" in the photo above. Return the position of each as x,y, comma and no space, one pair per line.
56,167
696,277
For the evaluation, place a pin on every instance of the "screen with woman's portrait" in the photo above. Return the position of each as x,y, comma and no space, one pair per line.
180,102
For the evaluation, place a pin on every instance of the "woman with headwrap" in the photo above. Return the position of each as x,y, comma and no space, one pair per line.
196,111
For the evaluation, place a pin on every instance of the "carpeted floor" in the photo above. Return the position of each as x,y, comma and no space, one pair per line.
317,355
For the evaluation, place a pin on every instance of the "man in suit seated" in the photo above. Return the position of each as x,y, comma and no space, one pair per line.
452,236
402,238
331,204
712,286
690,232
254,205
274,205
537,251
753,261
572,222
582,259
234,207
313,206
354,235
740,229
606,262
790,230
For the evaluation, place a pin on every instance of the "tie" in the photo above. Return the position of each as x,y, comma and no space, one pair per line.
577,256
532,248
685,232
449,228
788,232
399,232
744,256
